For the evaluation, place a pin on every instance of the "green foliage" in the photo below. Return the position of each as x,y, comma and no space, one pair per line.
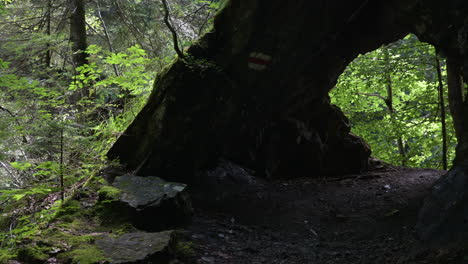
133,78
361,91
57,122
18,194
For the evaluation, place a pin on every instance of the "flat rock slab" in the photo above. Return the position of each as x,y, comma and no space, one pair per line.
143,192
139,247
153,204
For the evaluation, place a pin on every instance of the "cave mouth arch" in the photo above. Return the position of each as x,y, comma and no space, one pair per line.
391,97
200,112
277,116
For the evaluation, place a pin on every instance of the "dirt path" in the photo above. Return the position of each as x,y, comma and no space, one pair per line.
360,219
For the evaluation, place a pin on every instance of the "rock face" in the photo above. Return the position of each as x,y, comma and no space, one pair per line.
151,203
444,215
255,90
138,247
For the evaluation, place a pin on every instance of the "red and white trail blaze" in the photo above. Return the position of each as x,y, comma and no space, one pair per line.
259,61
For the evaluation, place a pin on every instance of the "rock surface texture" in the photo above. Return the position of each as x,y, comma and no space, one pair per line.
151,203
255,90
138,247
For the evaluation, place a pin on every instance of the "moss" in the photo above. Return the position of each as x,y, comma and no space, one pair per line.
109,193
70,207
77,240
184,249
33,254
76,223
123,228
86,254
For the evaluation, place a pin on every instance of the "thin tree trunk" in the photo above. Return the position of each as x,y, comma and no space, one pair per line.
455,93
458,108
78,33
389,103
48,32
79,42
442,112
106,33
62,186
175,39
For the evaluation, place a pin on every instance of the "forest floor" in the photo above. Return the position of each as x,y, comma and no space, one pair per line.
366,219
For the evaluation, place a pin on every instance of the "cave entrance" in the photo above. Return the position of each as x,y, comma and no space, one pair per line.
392,99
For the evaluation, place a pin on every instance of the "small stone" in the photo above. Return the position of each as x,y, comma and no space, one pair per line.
208,259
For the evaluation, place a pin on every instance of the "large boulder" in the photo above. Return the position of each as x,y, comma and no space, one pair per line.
443,218
138,247
150,203
255,90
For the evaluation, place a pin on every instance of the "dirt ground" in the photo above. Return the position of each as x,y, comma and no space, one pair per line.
365,219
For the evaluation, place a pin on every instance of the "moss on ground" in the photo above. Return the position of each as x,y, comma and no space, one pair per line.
86,254
108,193
185,249
34,254
69,229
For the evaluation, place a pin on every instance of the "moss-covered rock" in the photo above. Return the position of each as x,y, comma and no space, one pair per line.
138,247
86,254
109,193
149,203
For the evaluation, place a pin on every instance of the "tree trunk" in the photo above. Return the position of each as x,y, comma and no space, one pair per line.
442,220
48,57
442,112
389,103
79,43
78,33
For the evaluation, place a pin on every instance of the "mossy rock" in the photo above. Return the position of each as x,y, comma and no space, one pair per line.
148,203
109,193
86,254
139,247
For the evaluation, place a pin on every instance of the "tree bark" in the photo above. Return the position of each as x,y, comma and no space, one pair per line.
455,93
78,36
442,111
389,103
48,57
78,39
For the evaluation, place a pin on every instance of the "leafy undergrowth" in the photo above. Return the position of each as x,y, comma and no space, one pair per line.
39,228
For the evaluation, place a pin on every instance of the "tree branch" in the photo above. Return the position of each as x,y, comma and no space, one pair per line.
174,33
25,140
373,94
